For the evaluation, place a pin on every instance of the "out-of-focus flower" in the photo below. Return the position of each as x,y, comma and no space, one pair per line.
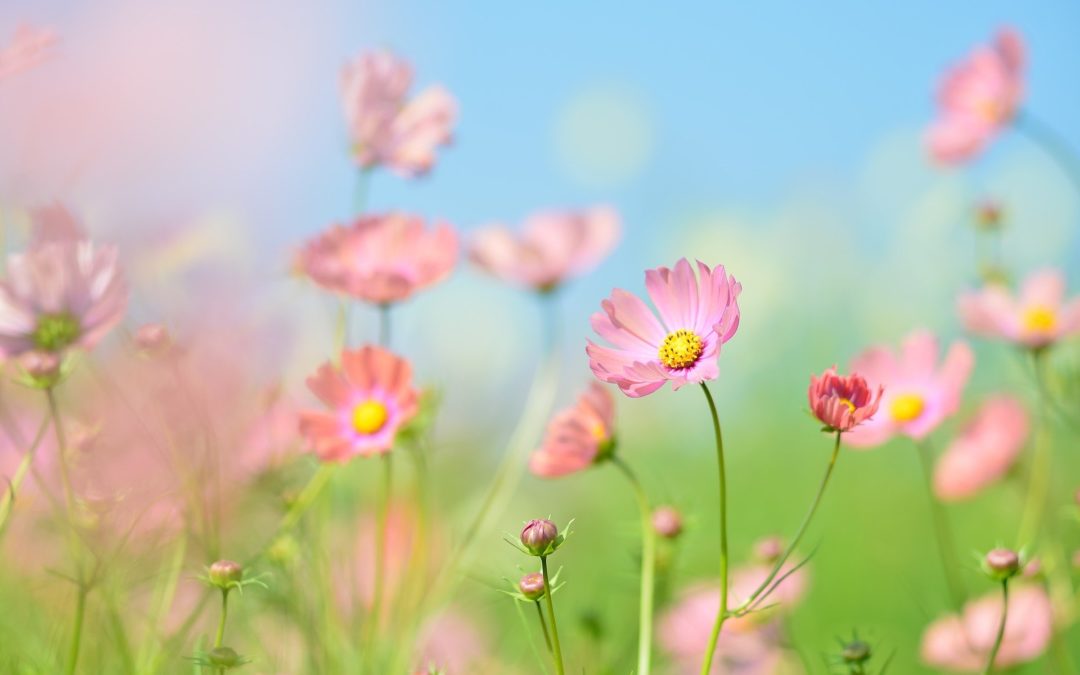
370,397
451,643
153,339
1001,563
552,247
919,394
977,99
271,438
988,216
697,315
842,402
60,295
385,127
380,259
962,644
1036,318
749,644
667,521
985,450
769,549
578,436
28,47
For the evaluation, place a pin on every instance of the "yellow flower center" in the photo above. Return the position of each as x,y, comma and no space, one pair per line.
598,431
907,407
1039,319
369,417
848,403
680,349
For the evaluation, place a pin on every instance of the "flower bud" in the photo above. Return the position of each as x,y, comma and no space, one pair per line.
532,585
538,535
988,216
1001,563
225,574
224,657
667,521
769,549
41,367
152,338
856,651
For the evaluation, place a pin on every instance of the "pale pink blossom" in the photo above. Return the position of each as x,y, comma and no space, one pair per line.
385,127
978,98
370,397
451,643
380,259
29,47
1036,317
552,246
748,645
919,392
59,295
842,402
985,450
578,436
962,644
697,314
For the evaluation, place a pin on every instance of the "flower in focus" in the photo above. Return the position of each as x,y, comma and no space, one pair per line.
842,402
977,99
540,536
1036,318
532,585
1002,563
984,451
963,643
370,397
553,246
28,47
578,436
697,315
60,295
380,259
919,394
749,644
385,127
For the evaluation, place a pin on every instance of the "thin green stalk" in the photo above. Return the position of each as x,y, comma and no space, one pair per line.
20,475
76,631
1001,627
721,613
532,643
945,542
220,638
648,569
543,625
551,612
798,534
307,496
380,543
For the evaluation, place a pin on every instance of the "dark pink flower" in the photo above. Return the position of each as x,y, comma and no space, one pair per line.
842,402
577,436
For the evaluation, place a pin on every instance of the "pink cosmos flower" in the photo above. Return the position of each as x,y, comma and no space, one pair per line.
553,246
697,315
1036,318
370,397
60,294
919,394
28,47
977,99
451,643
962,644
578,436
380,258
748,645
387,129
985,450
841,402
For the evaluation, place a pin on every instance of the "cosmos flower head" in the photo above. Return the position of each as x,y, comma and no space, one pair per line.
1036,317
577,437
842,402
679,343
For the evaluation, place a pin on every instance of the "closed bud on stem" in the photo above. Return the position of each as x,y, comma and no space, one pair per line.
667,521
532,585
224,657
856,652
1001,564
226,574
153,339
988,216
538,535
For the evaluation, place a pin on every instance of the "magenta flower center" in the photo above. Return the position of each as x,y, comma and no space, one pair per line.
369,417
680,349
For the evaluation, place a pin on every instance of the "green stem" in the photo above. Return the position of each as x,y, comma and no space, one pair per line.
543,625
380,542
943,533
307,496
721,613
220,638
798,534
551,611
648,569
20,475
1001,627
76,633
532,643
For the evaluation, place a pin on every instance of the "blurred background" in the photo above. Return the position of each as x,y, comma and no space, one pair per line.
206,140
